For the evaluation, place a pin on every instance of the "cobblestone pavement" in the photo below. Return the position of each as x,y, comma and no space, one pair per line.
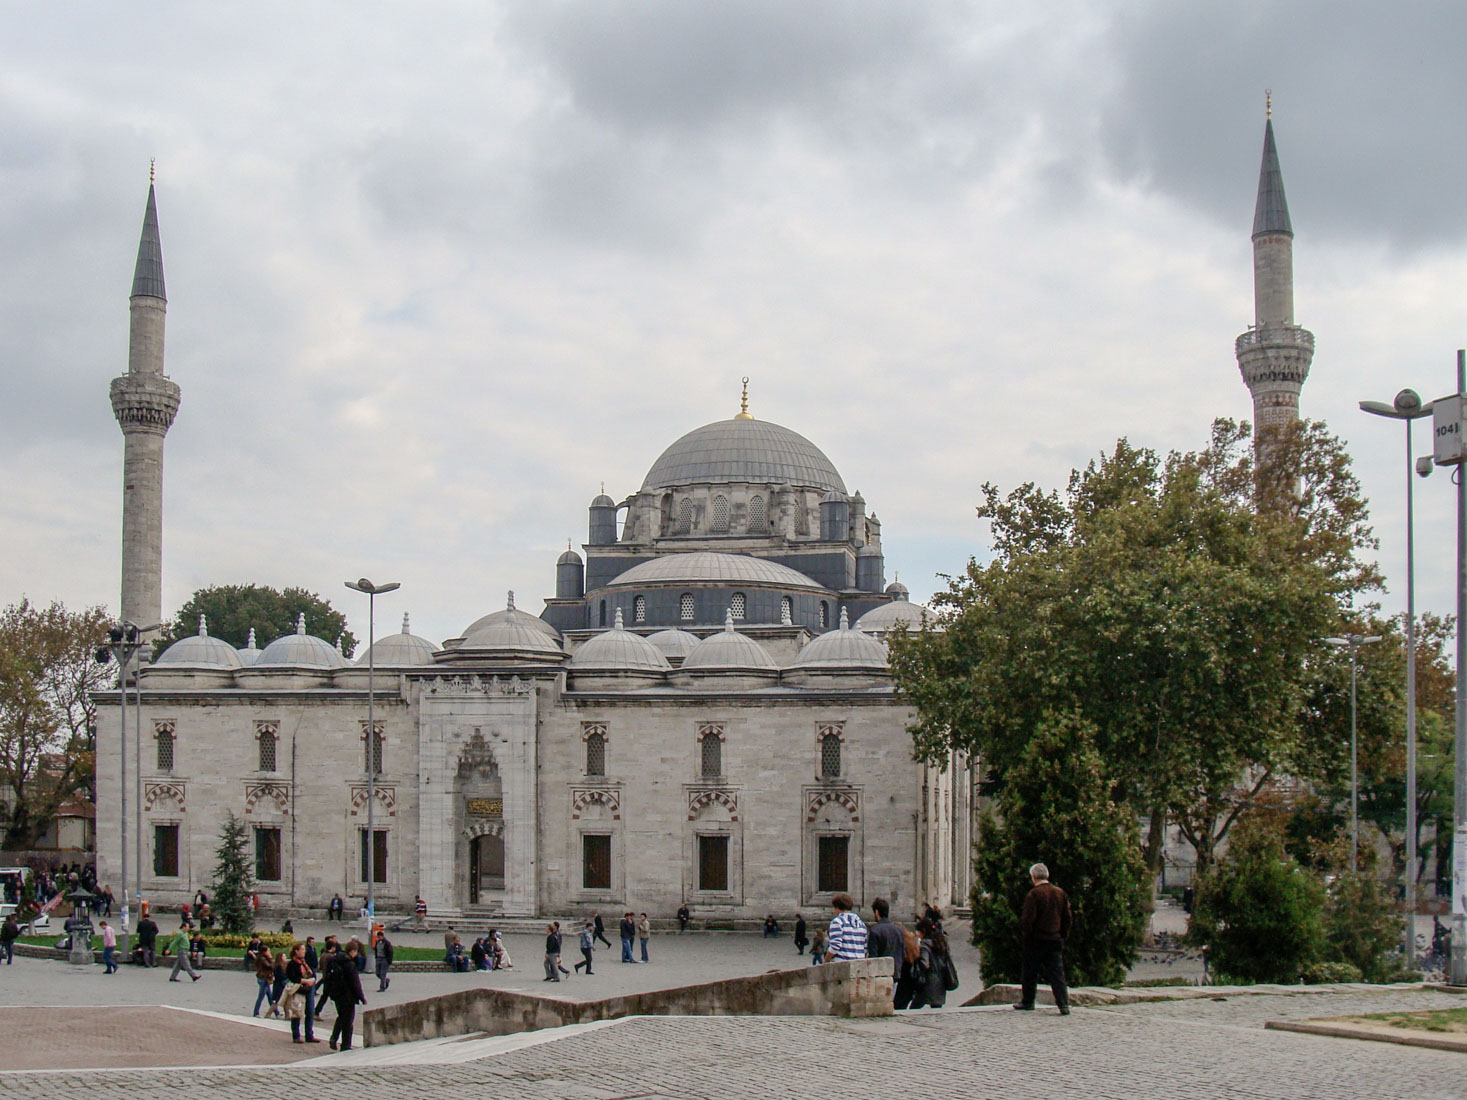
1135,1052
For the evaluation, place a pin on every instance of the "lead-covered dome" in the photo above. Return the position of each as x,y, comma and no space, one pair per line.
300,650
200,651
897,613
843,649
743,450
673,643
706,566
399,650
728,650
512,633
618,650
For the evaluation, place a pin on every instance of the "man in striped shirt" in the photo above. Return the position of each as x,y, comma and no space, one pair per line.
846,939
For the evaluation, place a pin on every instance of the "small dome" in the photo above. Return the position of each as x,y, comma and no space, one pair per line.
251,652
897,591
200,651
400,650
513,613
618,650
833,497
512,631
728,649
844,648
673,643
570,557
889,616
300,650
707,566
603,501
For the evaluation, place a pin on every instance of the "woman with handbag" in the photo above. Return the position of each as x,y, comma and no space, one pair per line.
936,975
299,996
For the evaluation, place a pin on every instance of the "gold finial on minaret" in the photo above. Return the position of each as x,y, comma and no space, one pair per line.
744,402
1268,103
152,170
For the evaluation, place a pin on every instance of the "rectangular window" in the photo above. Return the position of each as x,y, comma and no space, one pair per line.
595,862
165,851
713,863
267,752
834,875
165,751
372,757
267,855
378,855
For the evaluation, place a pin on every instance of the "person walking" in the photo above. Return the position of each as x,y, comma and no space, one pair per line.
265,977
802,938
179,945
346,994
588,947
298,999
601,930
382,954
934,967
817,948
552,953
148,940
644,933
846,938
1044,925
109,948
909,975
884,941
628,934
9,933
107,900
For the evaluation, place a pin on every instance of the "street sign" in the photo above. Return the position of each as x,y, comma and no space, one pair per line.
1447,434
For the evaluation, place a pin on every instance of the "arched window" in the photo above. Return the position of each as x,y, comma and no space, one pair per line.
165,750
685,517
372,755
267,751
639,609
603,613
758,518
720,514
786,609
824,614
711,755
737,604
595,753
830,756
687,608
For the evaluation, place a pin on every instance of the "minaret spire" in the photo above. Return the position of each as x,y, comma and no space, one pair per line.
145,402
1274,355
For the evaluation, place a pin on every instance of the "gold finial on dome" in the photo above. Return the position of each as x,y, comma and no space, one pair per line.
1268,103
152,170
744,402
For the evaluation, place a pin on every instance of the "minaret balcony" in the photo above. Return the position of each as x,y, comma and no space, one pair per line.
1291,336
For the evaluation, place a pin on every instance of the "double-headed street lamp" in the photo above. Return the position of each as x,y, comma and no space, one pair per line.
1354,642
1409,407
374,745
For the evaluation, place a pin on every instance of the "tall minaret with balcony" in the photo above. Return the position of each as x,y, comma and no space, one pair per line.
144,401
1274,354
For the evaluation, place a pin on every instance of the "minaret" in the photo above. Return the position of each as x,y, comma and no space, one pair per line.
144,401
1274,355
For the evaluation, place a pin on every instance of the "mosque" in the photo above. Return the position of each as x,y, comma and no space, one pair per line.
702,714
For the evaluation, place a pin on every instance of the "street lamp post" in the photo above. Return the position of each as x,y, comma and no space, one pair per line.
1354,642
123,643
1409,407
372,591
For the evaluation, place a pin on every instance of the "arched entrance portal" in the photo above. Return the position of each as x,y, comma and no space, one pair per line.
486,867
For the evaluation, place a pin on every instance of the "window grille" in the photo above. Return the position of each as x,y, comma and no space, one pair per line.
165,851
687,607
830,756
712,755
639,609
834,864
737,604
595,754
758,517
720,514
786,609
372,757
824,614
685,517
377,856
165,751
267,752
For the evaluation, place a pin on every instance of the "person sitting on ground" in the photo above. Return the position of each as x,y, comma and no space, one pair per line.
683,916
771,926
478,955
498,955
197,950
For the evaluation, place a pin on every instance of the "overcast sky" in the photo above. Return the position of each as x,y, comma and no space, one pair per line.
438,270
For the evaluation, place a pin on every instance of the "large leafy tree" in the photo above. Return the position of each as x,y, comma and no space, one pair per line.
232,610
48,672
1176,605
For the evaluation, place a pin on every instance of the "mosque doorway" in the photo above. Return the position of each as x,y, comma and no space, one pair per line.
486,867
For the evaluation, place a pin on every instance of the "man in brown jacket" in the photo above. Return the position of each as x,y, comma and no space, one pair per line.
1044,925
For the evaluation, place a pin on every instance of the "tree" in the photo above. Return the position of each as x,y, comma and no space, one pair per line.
48,672
1176,605
1258,912
1055,809
232,610
234,879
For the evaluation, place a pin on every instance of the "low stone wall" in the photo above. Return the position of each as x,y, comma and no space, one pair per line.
862,987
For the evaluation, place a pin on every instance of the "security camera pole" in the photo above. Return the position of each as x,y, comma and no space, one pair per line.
373,744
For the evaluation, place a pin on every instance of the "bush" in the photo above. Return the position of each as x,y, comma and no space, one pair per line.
1327,973
1056,810
1259,913
240,940
1362,928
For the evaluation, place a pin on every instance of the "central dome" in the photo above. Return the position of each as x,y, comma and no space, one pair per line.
741,450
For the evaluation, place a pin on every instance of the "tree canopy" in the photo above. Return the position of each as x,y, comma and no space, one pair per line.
232,610
1174,605
48,671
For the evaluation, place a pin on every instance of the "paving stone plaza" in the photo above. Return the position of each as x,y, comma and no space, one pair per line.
204,1039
